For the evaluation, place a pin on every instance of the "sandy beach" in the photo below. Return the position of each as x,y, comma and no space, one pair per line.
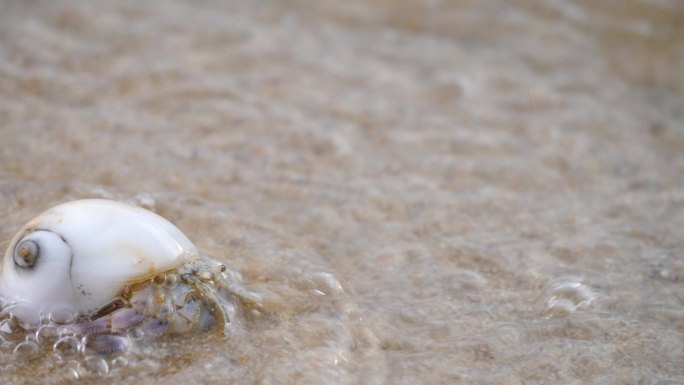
418,192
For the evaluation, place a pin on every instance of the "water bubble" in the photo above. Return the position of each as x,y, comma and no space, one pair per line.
72,364
72,374
119,362
67,346
146,365
72,369
26,350
94,365
324,283
27,316
67,332
47,334
56,359
559,307
63,316
567,298
6,346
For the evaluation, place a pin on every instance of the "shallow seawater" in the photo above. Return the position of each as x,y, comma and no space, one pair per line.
436,192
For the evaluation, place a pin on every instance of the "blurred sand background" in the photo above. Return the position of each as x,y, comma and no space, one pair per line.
433,192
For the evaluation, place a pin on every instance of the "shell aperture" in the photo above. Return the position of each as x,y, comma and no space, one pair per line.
82,253
26,253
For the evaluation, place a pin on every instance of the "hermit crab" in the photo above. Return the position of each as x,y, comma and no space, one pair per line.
104,270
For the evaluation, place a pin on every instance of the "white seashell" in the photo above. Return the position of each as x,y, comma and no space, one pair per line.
81,254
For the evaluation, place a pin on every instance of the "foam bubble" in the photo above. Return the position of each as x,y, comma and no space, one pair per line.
324,283
5,345
63,316
568,297
119,362
85,347
93,365
47,334
25,315
26,350
67,346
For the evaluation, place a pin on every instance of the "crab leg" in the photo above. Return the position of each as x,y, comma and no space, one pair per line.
106,344
117,320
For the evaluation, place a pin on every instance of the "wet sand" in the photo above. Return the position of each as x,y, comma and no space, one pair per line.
422,192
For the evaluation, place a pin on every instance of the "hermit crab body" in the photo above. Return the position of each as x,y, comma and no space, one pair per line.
118,268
